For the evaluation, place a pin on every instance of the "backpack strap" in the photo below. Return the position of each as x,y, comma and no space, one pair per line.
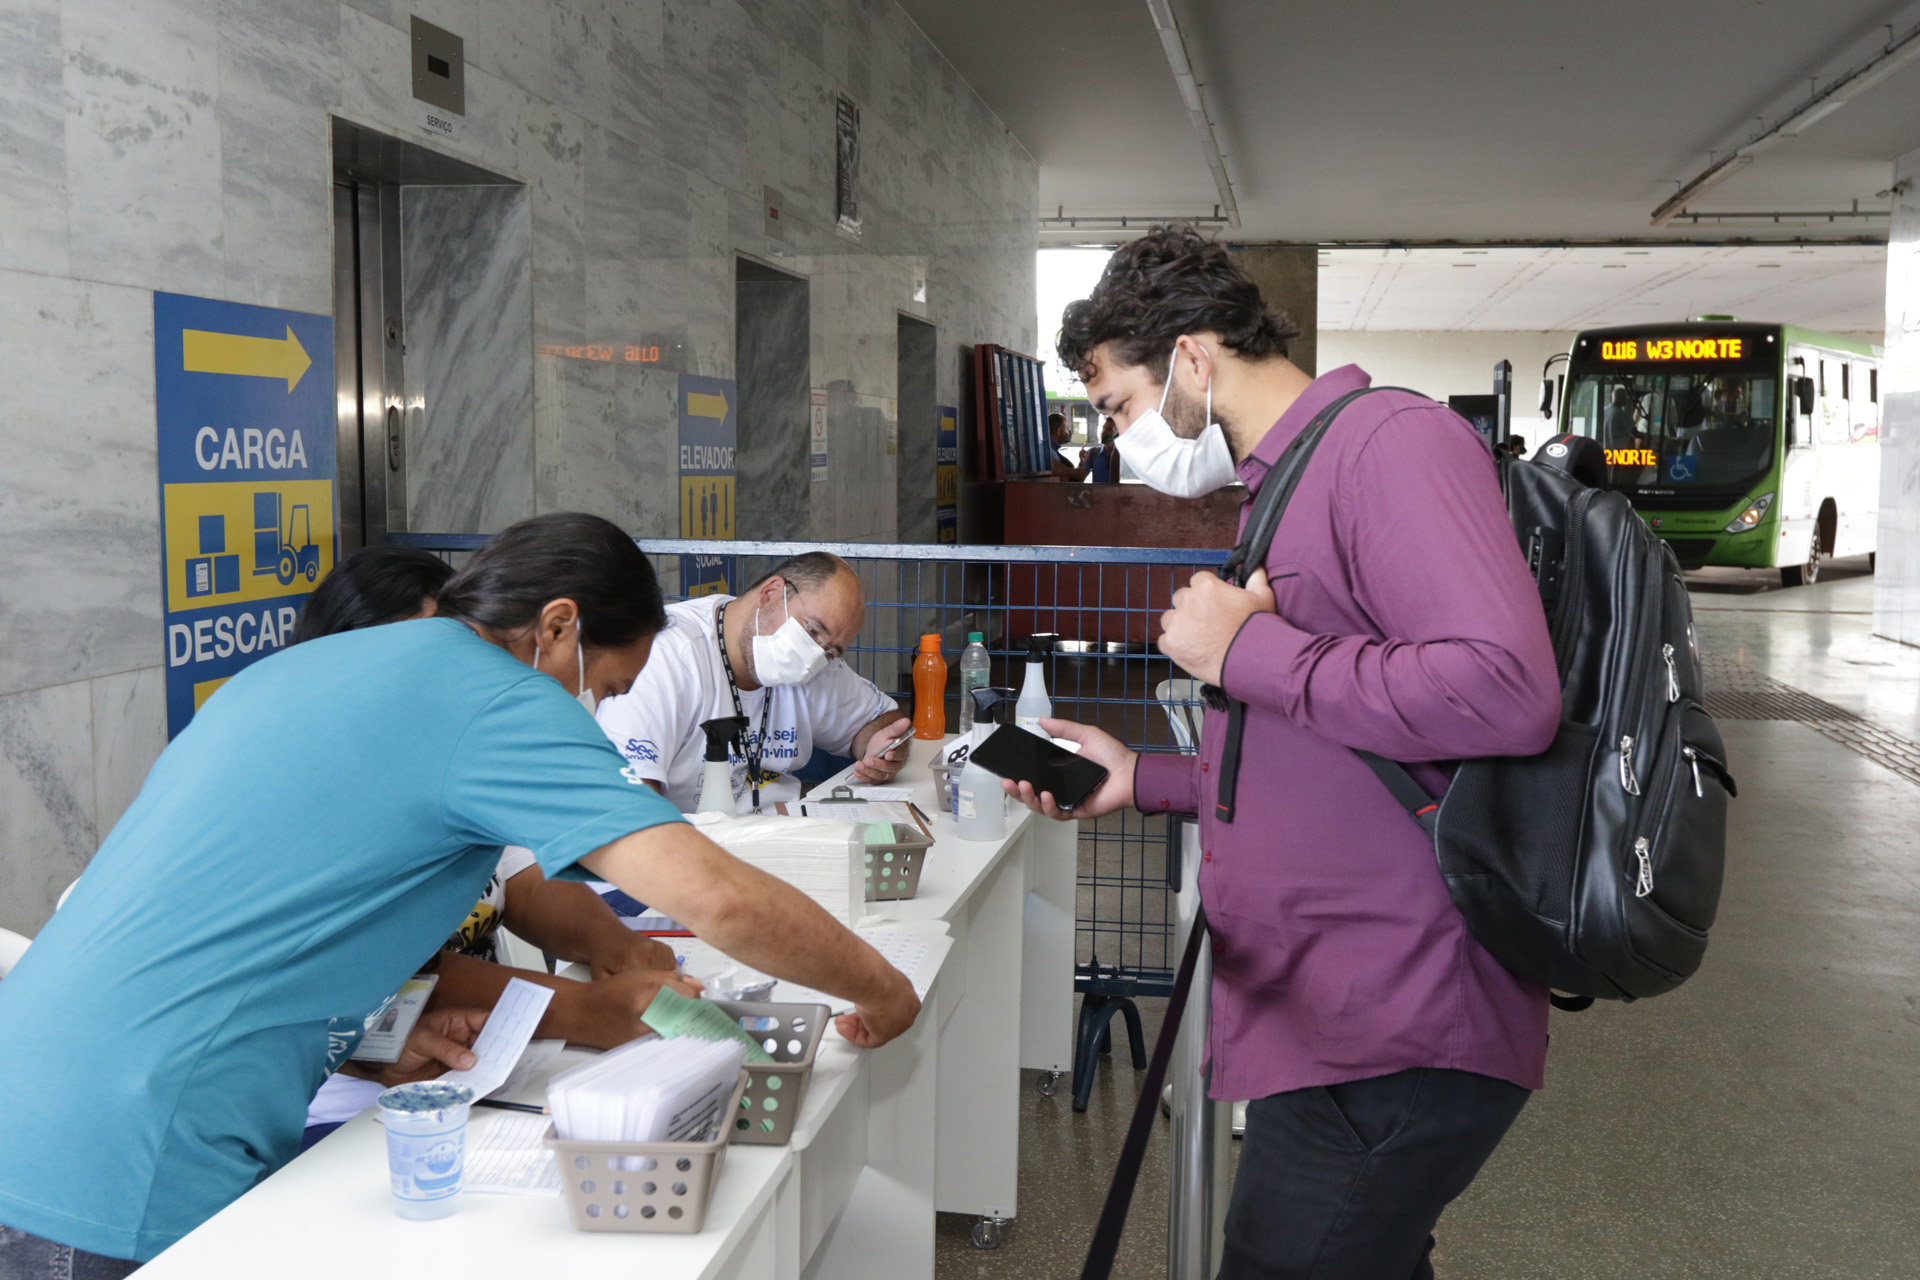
1251,553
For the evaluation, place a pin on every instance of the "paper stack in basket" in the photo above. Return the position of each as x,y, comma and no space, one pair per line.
821,857
651,1090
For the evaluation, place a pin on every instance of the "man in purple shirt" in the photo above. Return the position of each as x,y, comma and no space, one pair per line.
1386,1052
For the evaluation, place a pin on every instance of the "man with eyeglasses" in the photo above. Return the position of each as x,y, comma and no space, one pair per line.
771,655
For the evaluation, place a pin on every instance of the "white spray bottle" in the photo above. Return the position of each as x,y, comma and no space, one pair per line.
716,778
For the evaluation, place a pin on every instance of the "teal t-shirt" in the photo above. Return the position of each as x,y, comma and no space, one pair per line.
309,841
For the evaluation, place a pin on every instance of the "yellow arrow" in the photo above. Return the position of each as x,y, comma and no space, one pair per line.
205,352
701,405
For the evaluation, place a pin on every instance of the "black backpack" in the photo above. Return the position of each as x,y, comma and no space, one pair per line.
1595,866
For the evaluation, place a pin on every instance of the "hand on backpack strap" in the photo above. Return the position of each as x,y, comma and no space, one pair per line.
1206,615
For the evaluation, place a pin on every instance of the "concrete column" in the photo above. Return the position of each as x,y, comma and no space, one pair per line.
1896,590
1289,279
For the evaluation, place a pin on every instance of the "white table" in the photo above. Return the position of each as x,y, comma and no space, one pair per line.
928,1120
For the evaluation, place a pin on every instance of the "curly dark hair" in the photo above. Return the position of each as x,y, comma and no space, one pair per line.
1171,281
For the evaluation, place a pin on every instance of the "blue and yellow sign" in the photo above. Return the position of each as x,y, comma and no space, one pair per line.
946,475
708,434
244,401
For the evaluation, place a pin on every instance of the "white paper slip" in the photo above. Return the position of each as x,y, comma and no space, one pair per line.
537,1056
508,1157
501,1042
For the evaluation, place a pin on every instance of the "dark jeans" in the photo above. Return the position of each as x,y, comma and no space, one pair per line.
25,1257
1346,1182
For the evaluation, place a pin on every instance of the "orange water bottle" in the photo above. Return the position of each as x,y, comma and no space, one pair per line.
930,691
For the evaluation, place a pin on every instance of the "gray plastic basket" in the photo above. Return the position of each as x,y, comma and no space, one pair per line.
766,1109
642,1186
893,870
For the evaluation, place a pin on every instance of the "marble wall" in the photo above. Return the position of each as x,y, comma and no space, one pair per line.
184,145
466,295
1896,580
772,345
918,363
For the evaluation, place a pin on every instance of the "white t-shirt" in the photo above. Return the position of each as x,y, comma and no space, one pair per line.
656,724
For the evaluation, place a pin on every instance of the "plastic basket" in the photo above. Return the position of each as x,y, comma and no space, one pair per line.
764,1113
893,870
641,1186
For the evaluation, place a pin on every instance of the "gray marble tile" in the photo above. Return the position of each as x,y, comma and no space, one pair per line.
141,87
129,733
647,425
47,829
464,264
514,40
772,322
79,499
33,165
279,71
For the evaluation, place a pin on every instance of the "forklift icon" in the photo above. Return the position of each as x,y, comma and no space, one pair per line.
283,551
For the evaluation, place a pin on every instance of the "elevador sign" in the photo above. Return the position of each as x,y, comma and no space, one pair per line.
244,402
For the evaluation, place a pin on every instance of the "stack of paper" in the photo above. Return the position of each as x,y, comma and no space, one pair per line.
652,1090
822,859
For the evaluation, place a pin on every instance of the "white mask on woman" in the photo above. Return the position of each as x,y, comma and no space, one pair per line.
585,697
1176,467
788,656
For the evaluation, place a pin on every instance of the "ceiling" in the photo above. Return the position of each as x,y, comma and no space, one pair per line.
1498,120
1833,287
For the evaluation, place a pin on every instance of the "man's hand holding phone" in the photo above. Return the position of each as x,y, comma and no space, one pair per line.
1102,749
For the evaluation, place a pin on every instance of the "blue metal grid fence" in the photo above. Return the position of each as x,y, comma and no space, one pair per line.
1095,607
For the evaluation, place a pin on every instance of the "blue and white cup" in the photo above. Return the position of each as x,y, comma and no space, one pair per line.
426,1124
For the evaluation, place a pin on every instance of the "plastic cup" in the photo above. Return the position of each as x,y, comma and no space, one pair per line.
426,1126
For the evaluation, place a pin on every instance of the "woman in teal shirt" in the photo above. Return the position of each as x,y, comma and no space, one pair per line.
322,824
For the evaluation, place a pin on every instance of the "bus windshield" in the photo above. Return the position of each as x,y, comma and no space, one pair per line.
1681,433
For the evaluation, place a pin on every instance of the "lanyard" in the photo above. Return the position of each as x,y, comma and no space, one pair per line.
757,750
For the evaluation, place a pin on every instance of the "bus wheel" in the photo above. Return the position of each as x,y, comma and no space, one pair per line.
1797,575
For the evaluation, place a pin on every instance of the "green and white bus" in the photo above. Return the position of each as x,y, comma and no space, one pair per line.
1755,445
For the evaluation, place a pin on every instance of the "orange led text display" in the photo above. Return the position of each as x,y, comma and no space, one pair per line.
1673,349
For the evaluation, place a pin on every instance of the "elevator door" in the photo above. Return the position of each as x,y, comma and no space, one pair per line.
369,353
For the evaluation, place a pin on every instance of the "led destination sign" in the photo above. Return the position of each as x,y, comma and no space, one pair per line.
1632,458
1643,349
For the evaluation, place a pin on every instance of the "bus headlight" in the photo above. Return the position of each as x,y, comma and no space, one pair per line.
1753,515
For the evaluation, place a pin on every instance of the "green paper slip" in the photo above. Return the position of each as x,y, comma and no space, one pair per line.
674,1015
879,832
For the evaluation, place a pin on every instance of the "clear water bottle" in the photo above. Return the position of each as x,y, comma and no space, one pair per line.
974,673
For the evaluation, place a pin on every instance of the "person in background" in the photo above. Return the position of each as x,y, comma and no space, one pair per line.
564,918
1516,446
1385,1050
325,820
773,656
1103,462
1060,434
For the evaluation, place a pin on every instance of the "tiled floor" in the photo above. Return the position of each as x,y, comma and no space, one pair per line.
1762,1121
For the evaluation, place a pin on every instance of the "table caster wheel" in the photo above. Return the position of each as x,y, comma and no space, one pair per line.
1048,1084
988,1233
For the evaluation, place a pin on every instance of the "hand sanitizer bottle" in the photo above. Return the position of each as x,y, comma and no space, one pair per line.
981,808
716,778
1034,702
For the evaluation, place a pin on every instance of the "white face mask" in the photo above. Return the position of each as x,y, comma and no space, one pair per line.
585,697
1176,467
788,656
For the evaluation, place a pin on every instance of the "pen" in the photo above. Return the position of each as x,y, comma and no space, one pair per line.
497,1105
892,742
